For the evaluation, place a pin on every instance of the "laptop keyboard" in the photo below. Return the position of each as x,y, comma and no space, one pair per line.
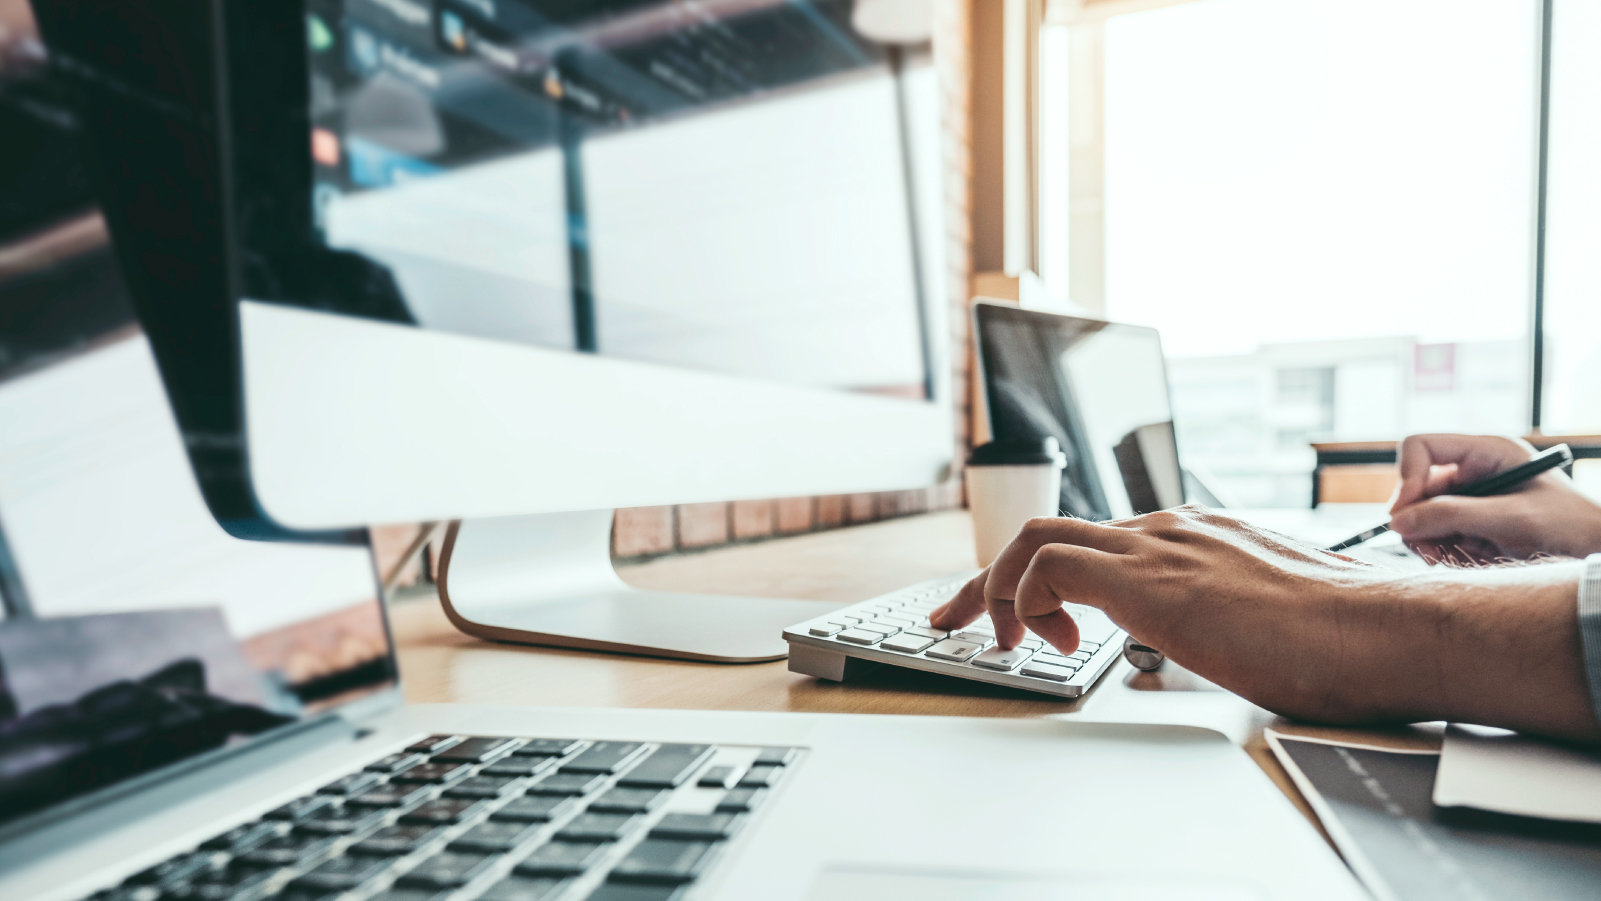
894,629
458,817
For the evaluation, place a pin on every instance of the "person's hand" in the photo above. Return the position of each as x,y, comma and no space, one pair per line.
1545,515
1289,626
1299,630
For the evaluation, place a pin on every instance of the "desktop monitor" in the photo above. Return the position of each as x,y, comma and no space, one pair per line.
519,262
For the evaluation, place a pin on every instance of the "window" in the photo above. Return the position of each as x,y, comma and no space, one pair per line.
1331,202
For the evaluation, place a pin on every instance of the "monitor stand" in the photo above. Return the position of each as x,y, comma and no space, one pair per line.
549,580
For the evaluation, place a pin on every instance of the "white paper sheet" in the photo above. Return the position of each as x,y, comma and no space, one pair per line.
1497,770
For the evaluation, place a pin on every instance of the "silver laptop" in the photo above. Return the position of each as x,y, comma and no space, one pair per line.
188,715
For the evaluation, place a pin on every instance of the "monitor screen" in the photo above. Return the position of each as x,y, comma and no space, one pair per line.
135,634
720,186
1100,388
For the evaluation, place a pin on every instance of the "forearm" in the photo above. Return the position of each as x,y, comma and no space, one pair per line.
1498,646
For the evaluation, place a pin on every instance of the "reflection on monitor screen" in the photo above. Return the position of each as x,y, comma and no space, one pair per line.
715,185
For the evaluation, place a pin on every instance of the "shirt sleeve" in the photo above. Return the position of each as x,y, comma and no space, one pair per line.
1590,627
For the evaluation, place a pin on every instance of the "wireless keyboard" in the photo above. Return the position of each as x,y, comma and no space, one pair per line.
893,629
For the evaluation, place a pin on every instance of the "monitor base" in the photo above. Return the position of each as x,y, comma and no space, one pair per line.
548,580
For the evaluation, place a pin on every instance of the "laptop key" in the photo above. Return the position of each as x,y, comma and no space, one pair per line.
667,766
341,873
565,783
534,808
629,800
495,836
561,858
775,756
435,773
433,743
630,891
351,784
526,888
520,766
447,868
478,750
398,840
760,776
717,777
663,861
342,821
739,800
603,757
709,827
443,810
487,787
300,808
242,838
598,827
180,869
998,659
953,649
391,795
548,747
394,763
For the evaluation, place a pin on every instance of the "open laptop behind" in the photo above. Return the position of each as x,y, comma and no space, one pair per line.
1101,389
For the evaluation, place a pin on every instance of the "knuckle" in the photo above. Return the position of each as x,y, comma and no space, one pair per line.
1038,526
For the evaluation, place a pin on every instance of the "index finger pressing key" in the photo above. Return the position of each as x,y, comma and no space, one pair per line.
964,607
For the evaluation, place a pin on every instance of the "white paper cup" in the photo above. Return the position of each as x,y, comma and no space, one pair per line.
1009,483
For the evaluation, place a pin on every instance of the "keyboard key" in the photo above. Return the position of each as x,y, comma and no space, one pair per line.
526,888
667,766
534,808
443,810
972,636
398,840
630,800
488,787
740,800
603,757
341,873
435,772
548,747
598,827
521,767
761,777
1005,661
286,851
1055,659
953,649
709,827
447,868
478,750
1033,644
878,628
565,783
1079,656
561,858
663,861
929,632
354,783
860,636
633,891
300,808
242,838
392,795
907,643
1046,671
495,836
898,622
718,777
396,762
180,869
824,630
434,743
342,821
775,756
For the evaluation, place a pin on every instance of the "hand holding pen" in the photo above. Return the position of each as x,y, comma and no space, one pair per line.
1479,498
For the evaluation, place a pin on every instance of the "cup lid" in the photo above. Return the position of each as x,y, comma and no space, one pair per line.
1019,452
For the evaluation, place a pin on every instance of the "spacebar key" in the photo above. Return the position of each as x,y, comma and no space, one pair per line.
667,767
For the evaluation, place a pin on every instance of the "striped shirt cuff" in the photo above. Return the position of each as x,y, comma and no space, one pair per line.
1590,627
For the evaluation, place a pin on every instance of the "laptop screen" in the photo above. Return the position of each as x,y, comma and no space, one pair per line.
135,634
1099,388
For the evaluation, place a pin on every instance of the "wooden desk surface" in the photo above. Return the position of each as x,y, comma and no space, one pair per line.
439,664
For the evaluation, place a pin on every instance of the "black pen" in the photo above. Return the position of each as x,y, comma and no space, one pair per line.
1500,483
